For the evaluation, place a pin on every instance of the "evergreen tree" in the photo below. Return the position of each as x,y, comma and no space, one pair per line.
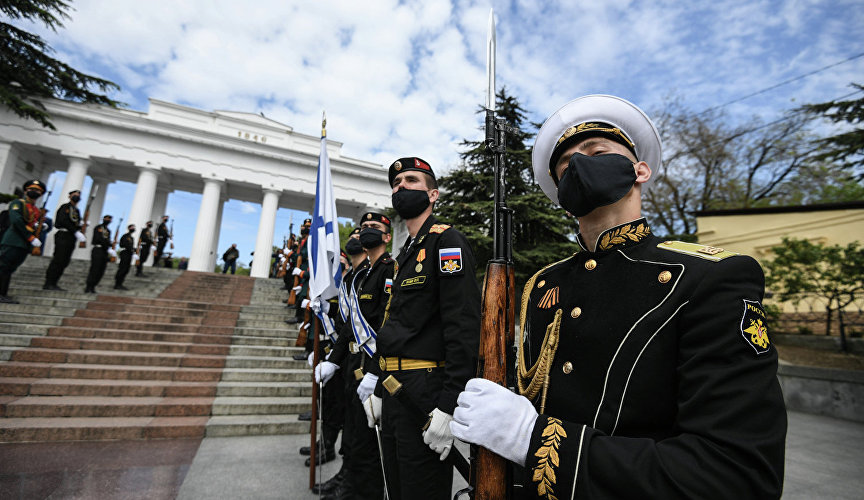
542,232
27,71
845,148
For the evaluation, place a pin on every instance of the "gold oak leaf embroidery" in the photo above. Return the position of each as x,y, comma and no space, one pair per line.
544,471
623,233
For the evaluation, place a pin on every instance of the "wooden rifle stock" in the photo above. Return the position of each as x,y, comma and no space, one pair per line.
37,251
303,333
492,473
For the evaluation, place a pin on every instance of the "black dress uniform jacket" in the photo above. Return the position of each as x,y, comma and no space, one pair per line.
662,380
68,218
434,310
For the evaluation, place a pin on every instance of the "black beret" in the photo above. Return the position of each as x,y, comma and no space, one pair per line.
383,219
354,231
307,221
407,164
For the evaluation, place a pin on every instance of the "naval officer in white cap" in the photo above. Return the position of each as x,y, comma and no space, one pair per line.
645,369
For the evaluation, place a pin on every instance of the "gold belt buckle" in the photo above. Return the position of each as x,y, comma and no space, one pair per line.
382,363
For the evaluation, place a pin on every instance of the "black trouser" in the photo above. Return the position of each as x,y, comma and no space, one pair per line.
145,252
123,268
414,471
160,247
10,258
362,460
64,245
98,262
332,410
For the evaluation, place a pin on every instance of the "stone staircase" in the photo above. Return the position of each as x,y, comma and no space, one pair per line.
178,355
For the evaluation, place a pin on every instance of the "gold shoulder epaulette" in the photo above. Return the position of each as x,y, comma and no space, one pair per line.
706,252
438,228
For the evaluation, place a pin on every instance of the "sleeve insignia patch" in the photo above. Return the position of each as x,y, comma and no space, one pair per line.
388,284
438,228
544,472
366,296
754,327
450,260
550,298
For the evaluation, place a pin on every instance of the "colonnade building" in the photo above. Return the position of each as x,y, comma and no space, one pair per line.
222,155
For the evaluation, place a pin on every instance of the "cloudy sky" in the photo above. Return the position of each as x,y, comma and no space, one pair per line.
405,78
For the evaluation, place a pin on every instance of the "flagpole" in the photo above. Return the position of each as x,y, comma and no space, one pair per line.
313,424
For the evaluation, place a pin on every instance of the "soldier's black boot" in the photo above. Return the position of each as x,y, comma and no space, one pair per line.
331,484
328,455
5,278
306,450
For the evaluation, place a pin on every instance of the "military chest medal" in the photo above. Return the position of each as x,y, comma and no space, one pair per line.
421,255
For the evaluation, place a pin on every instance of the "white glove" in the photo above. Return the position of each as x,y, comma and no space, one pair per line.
36,242
367,386
438,436
297,288
44,226
304,303
491,416
372,407
112,252
311,359
135,258
320,306
80,237
302,326
324,371
296,271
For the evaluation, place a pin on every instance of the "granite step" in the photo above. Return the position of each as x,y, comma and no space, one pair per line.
96,357
142,335
112,372
255,425
111,406
113,428
71,343
114,388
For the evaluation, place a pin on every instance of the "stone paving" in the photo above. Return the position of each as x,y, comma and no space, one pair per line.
823,460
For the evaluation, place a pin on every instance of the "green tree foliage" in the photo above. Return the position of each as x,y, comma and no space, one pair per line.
542,232
845,148
834,274
28,73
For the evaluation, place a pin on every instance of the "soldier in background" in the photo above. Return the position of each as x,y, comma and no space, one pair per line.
20,238
162,237
127,250
428,342
101,244
68,225
145,241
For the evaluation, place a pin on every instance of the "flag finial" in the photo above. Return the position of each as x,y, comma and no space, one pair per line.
323,124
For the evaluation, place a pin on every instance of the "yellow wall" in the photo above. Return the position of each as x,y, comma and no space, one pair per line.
755,234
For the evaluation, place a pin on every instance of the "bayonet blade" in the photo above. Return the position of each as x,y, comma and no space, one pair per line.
490,62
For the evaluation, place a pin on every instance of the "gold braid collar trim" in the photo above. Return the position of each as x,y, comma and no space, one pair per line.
548,460
626,232
531,381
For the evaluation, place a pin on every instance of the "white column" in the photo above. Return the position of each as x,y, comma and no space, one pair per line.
160,202
264,241
8,159
75,174
214,248
95,218
142,202
199,259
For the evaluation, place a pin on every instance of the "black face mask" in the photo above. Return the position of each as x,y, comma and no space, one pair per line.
149,226
131,231
371,237
304,231
33,194
75,198
595,181
353,247
410,203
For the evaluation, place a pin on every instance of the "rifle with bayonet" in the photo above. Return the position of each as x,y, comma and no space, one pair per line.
113,258
492,475
42,211
92,197
171,234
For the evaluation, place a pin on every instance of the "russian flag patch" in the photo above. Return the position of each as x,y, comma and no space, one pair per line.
388,284
450,260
